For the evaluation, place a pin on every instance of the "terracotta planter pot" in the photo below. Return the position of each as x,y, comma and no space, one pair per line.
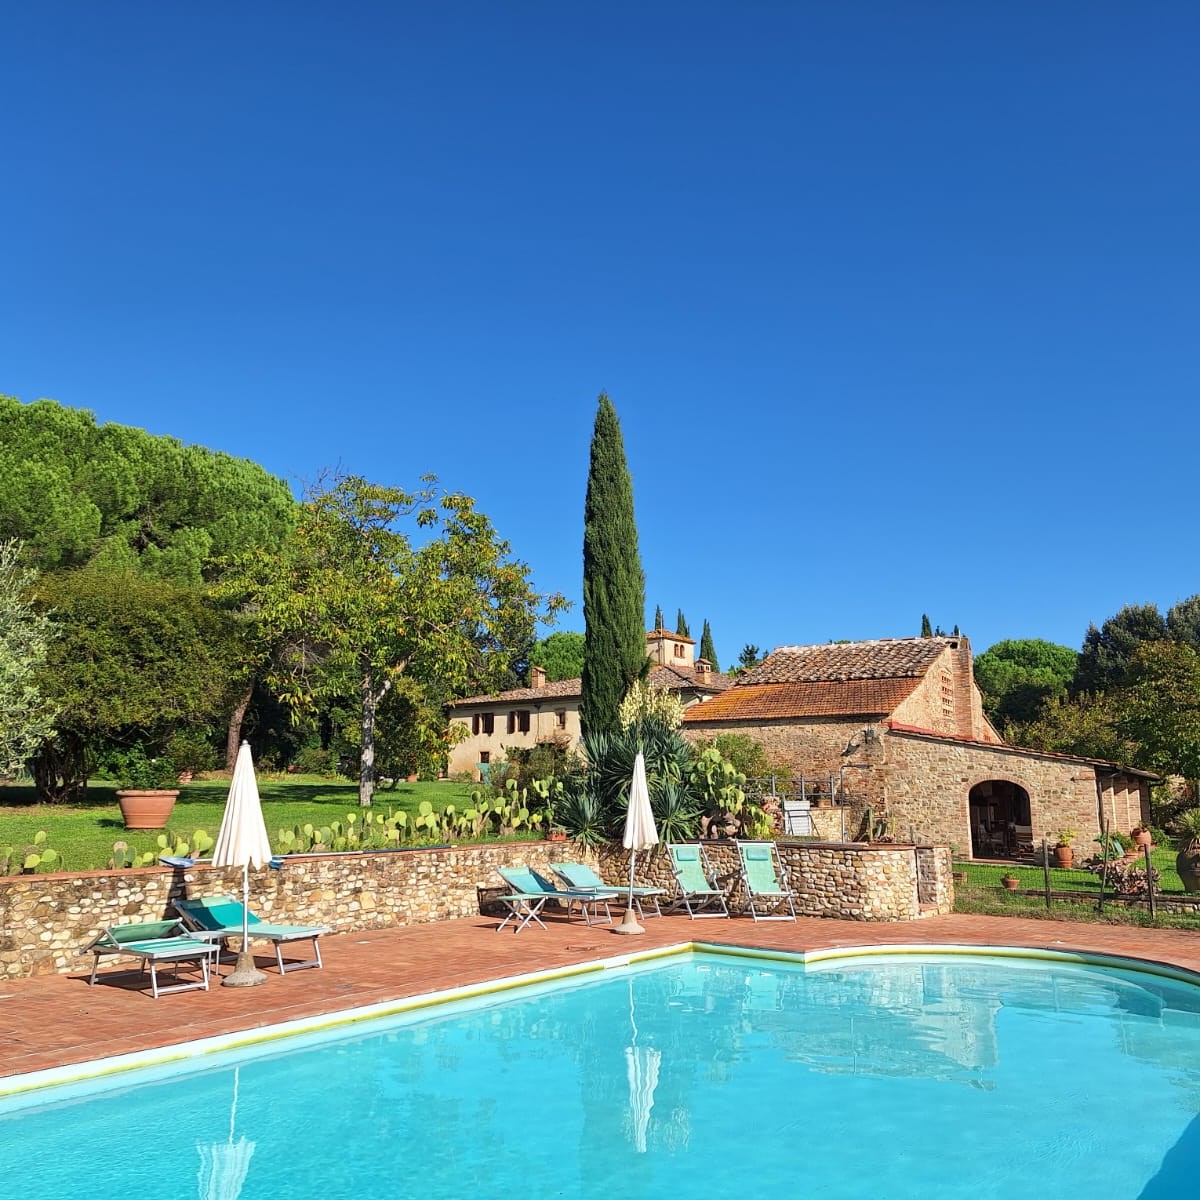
146,809
1143,837
1064,856
1011,884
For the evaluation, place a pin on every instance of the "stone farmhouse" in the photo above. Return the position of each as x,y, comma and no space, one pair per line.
899,725
549,712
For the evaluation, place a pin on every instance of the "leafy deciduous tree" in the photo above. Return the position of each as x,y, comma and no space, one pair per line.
1160,708
135,660
614,586
361,603
26,715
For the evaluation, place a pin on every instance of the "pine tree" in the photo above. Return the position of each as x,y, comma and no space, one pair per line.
658,617
681,625
614,585
926,627
707,649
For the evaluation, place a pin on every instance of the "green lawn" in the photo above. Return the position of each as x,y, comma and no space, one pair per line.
84,835
982,892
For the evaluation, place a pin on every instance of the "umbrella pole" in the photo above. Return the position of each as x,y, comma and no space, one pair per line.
629,922
245,973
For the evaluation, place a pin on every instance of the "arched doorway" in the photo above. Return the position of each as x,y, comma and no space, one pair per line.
1000,820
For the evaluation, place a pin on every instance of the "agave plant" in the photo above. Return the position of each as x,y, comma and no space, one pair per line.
1187,861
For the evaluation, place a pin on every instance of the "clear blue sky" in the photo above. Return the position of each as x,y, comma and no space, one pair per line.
898,303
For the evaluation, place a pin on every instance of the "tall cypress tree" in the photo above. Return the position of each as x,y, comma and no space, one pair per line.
614,585
681,625
926,627
707,649
658,617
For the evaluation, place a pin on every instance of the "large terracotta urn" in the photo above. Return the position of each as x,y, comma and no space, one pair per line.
146,808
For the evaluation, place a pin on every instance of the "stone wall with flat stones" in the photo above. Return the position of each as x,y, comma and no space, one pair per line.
853,881
47,921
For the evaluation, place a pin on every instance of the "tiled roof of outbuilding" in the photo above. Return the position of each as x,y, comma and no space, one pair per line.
836,698
677,678
674,678
562,688
884,658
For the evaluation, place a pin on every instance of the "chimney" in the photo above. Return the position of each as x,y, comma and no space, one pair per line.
537,676
703,670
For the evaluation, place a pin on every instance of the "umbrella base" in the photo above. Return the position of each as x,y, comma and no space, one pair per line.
245,974
628,924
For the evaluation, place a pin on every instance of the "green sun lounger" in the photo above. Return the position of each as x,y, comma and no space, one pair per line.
764,878
696,887
532,892
220,918
581,877
154,943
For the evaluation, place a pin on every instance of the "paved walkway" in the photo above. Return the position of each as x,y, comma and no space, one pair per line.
57,1020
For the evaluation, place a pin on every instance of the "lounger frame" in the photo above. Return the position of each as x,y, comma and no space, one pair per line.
202,920
154,943
696,887
768,895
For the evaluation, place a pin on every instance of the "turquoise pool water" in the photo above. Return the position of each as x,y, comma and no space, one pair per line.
700,1076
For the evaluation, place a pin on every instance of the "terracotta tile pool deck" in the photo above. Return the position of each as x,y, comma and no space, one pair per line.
56,1020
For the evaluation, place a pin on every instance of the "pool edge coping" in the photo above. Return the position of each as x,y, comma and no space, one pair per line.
92,1069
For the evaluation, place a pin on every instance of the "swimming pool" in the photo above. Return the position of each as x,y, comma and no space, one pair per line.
699,1075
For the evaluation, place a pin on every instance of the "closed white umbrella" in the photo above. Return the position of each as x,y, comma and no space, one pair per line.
640,834
242,842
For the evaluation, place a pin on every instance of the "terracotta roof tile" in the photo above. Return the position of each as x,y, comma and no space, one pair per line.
830,698
564,687
674,678
885,658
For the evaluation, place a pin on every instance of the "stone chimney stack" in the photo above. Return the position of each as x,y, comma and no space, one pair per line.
703,670
537,676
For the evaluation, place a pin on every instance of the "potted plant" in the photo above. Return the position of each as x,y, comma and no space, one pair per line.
1141,836
1011,882
1064,855
147,788
1187,861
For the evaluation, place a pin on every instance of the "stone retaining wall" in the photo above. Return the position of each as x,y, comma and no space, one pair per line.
46,920
854,881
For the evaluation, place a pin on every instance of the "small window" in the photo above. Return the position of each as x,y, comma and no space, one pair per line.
485,757
512,722
560,718
483,723
523,720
